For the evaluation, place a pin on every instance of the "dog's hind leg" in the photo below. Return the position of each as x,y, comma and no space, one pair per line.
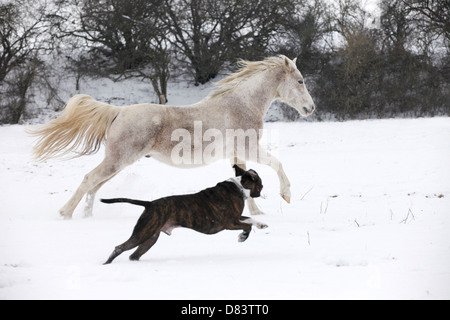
144,247
128,245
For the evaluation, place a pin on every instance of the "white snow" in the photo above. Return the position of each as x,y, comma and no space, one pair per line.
369,219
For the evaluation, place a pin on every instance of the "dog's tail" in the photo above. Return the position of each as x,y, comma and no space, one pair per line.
132,201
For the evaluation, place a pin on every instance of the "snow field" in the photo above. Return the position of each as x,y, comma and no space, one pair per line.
369,219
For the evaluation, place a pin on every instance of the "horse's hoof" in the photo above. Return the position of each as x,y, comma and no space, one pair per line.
87,213
64,215
286,198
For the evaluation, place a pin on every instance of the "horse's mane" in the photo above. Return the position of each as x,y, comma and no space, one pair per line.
246,70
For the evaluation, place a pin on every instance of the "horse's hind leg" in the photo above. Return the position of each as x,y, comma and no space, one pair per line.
101,173
90,197
117,158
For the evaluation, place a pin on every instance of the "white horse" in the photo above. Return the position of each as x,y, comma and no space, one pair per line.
131,132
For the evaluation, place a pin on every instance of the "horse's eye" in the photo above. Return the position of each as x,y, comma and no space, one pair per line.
300,81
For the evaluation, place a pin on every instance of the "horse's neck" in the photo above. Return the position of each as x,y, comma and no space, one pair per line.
257,93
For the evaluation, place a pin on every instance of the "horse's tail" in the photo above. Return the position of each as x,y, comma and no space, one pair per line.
132,201
80,129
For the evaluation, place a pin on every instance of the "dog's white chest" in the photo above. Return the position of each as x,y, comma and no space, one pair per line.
237,182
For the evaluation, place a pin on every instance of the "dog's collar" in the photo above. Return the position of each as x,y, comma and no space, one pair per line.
237,182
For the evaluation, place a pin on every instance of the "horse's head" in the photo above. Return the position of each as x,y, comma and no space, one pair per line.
292,89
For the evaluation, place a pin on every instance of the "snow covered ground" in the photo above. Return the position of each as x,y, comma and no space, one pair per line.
369,219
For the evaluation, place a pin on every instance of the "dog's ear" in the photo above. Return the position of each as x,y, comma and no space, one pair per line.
238,170
253,175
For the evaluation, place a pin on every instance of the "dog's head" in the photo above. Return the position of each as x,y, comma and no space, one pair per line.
250,181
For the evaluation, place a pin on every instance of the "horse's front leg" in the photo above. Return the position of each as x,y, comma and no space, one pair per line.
253,208
264,157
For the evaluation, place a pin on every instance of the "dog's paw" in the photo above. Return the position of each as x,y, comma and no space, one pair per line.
260,225
243,236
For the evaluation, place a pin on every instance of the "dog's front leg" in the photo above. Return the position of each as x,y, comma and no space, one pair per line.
238,225
252,222
243,236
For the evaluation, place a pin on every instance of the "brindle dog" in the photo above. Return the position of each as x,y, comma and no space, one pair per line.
209,211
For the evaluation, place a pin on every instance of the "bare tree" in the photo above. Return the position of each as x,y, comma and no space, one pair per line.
384,71
125,39
305,35
18,35
210,33
432,15
395,25
23,38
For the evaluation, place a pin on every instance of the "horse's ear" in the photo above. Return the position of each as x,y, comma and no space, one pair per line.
288,64
238,170
295,61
